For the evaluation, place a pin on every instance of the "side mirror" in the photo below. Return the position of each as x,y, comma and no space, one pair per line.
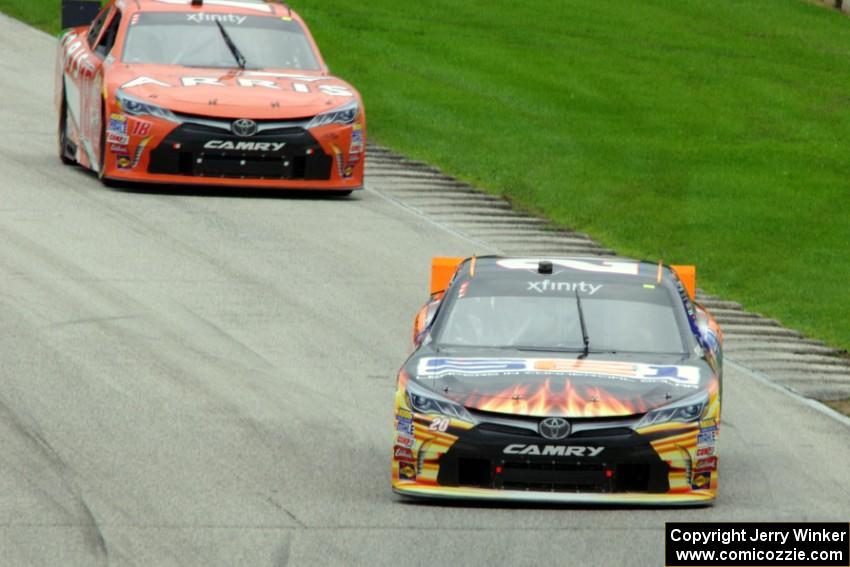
77,13
423,320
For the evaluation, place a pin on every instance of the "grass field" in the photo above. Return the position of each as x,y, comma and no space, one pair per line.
709,133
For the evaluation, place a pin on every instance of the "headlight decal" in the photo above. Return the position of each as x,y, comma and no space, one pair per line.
426,401
134,106
345,114
688,410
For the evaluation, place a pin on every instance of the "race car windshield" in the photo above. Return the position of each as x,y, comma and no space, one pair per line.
618,318
195,40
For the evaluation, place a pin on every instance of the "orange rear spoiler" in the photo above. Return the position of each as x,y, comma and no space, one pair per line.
688,275
442,270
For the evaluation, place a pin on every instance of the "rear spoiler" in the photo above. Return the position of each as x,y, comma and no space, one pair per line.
442,270
77,13
444,267
688,276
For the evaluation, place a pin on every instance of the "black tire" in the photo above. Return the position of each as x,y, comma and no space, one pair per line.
66,149
340,193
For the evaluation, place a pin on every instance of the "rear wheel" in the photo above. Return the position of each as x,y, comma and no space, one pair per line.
67,149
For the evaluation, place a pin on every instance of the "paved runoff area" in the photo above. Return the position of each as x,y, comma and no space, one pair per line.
207,378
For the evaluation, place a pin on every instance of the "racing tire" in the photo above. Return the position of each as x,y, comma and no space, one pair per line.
67,149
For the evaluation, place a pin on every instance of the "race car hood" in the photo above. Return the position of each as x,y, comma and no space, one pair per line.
232,93
562,385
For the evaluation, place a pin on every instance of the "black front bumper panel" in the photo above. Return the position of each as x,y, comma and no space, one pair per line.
202,151
627,463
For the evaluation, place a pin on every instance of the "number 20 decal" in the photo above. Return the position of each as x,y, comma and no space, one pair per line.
440,424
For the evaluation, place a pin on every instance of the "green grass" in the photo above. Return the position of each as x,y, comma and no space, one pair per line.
709,133
842,406
42,14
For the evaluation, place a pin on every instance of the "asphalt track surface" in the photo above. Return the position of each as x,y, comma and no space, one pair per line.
207,379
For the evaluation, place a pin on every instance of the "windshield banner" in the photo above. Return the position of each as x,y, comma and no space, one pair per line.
433,368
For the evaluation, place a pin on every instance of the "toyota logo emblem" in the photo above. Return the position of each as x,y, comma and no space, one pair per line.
244,127
554,428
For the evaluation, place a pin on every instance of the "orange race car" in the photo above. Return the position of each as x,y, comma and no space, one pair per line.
215,92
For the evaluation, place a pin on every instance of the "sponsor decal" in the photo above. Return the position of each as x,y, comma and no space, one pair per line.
407,414
706,464
113,138
438,367
588,265
406,470
434,368
404,425
119,149
124,162
139,81
303,86
356,139
335,90
250,83
701,480
569,287
245,146
201,17
74,58
141,127
117,124
553,450
348,172
195,81
706,441
707,438
404,440
706,451
402,453
294,77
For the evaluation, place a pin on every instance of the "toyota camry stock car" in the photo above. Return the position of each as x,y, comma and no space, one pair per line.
214,92
577,380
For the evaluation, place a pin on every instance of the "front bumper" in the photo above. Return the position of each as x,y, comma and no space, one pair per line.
280,156
695,498
286,154
667,464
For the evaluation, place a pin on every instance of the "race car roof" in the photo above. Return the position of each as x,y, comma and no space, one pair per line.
591,269
247,7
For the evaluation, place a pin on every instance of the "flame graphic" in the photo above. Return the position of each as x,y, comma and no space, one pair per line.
542,400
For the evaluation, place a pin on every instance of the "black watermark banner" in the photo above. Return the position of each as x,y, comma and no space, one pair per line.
754,544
